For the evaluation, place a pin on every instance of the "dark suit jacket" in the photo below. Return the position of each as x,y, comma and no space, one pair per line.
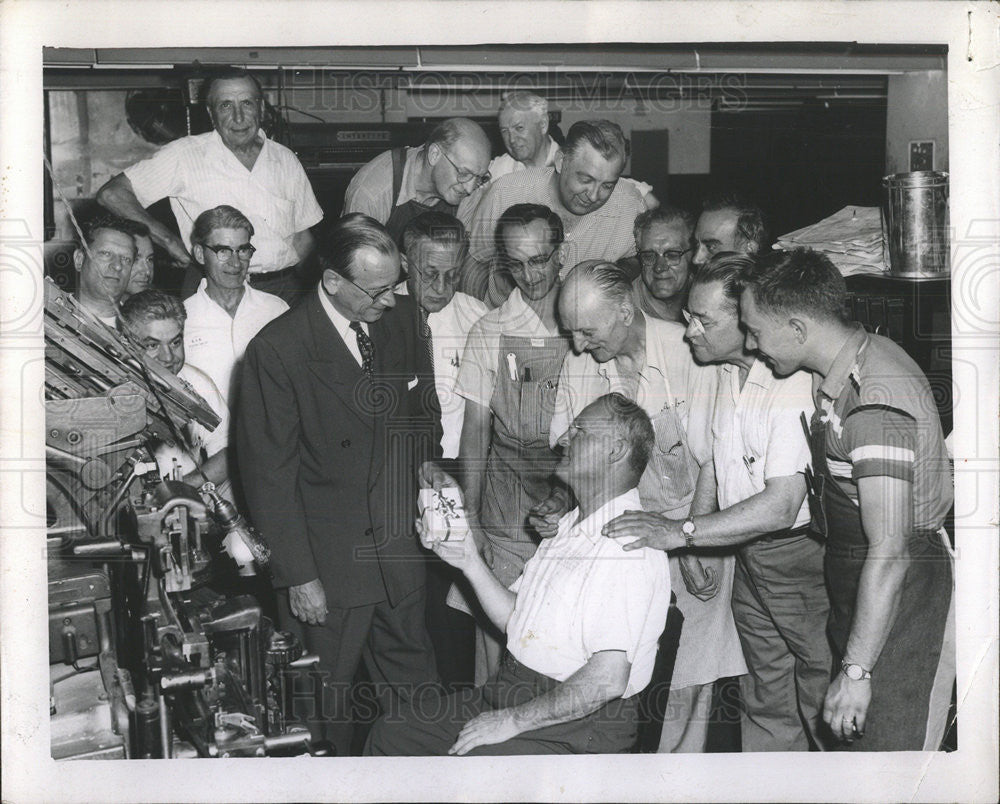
329,459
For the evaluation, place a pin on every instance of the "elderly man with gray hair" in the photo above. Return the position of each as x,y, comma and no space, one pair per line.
619,349
524,126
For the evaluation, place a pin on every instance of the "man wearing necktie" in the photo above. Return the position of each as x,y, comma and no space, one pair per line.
330,435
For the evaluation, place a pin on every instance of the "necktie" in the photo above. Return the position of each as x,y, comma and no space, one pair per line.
425,334
366,348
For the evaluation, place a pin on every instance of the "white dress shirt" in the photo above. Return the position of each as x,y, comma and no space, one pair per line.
215,342
581,593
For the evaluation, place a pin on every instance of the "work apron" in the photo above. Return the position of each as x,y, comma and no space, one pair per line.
520,462
904,675
708,647
667,485
404,213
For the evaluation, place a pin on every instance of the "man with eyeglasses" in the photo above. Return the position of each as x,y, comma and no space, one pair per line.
331,432
236,164
225,312
581,187
616,348
729,222
398,185
103,263
759,456
508,380
434,247
663,241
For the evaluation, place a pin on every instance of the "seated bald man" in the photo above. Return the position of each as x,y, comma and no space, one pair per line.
582,621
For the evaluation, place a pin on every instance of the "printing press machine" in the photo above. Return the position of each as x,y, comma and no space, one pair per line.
147,658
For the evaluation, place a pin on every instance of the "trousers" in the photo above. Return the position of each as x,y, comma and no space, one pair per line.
428,726
780,606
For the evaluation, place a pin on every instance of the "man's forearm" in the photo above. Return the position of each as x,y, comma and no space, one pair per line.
602,679
773,509
496,599
303,242
216,469
118,196
705,498
887,519
472,452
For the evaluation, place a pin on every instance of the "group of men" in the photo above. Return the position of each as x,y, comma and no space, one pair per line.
634,401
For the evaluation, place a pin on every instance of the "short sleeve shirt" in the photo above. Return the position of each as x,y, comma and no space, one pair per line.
370,191
604,234
199,172
883,422
215,342
477,374
449,331
580,593
199,436
757,432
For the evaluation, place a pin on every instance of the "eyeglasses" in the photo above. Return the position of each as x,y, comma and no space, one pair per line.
375,295
693,320
105,258
535,263
671,257
449,277
225,253
464,175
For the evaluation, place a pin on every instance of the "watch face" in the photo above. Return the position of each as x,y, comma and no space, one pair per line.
854,672
687,527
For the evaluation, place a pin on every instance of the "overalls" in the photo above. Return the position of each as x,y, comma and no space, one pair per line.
404,213
904,675
520,461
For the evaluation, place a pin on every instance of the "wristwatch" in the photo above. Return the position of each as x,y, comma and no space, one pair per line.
855,672
688,528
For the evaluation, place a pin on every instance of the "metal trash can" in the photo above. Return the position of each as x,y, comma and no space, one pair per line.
916,222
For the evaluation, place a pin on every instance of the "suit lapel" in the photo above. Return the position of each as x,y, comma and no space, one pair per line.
333,365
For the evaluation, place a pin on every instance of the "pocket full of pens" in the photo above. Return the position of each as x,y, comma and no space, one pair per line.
442,513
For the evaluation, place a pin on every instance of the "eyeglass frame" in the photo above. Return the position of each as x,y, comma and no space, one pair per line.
481,178
523,265
690,318
382,291
662,255
232,251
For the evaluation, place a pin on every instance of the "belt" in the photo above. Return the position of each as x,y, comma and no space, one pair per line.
265,275
784,533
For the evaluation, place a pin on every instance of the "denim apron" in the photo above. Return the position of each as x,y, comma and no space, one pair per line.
904,675
520,461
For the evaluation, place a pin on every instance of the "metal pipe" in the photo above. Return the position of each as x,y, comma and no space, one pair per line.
166,748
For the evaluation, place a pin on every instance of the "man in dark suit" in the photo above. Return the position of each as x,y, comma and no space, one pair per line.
330,436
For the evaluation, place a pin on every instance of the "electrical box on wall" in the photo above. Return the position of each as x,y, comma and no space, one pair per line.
921,155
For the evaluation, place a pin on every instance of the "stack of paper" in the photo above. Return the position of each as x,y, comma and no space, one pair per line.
851,238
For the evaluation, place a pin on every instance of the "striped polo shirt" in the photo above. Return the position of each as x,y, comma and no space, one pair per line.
884,422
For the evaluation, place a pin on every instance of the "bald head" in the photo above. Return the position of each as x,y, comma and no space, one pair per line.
458,158
595,305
